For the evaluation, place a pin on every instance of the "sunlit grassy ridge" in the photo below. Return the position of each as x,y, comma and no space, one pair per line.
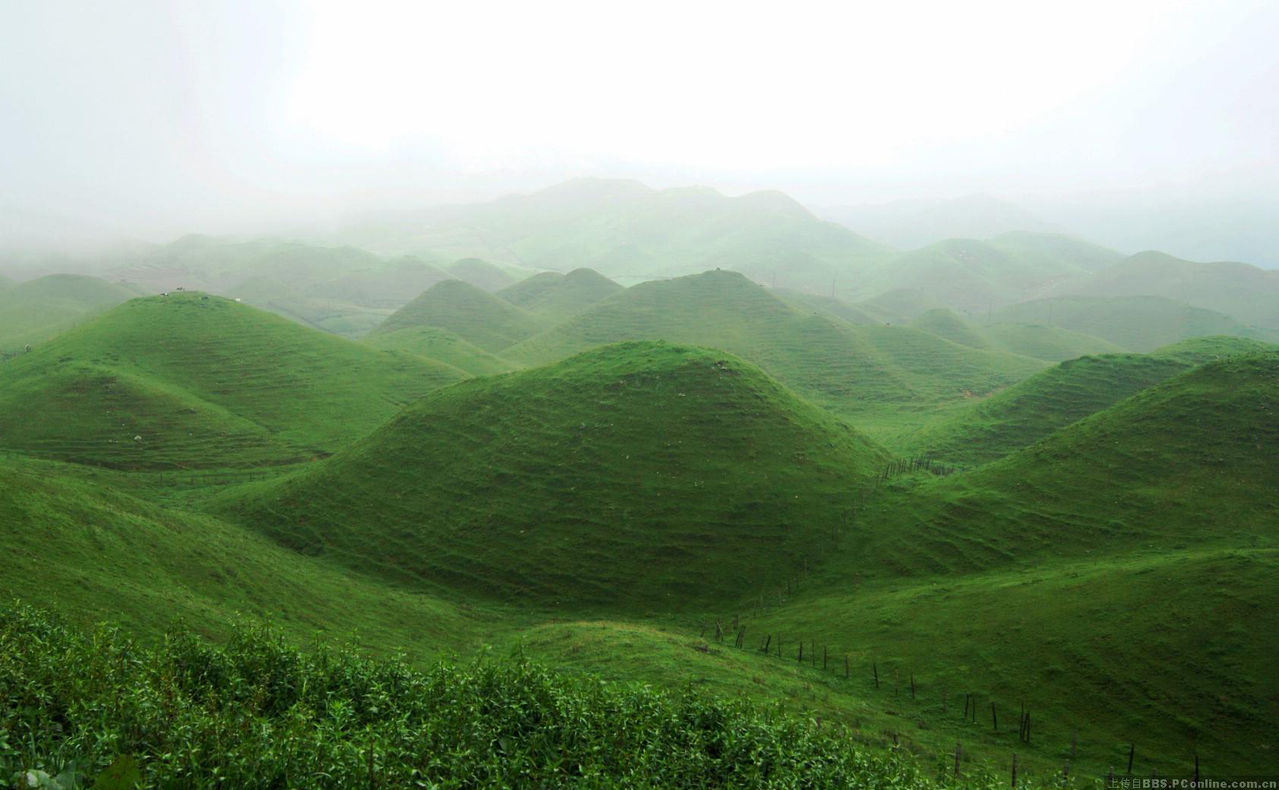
837,364
36,310
478,317
200,381
640,475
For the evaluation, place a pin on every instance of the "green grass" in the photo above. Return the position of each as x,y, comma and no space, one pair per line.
204,382
1244,292
641,476
1051,344
560,296
1137,323
36,310
481,274
96,553
1170,651
442,346
480,318
838,365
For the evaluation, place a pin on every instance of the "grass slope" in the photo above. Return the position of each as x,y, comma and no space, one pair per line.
1178,464
94,553
560,295
1032,409
478,317
1169,651
971,275
1051,344
480,273
34,311
636,476
442,346
1137,323
203,381
1242,291
839,365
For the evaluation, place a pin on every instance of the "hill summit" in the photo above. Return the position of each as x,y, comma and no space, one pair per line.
638,474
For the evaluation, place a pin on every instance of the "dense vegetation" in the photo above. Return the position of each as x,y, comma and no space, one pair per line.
257,713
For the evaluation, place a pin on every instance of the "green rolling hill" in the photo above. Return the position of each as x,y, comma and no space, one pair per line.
977,276
190,380
1063,394
1177,464
1242,291
1117,577
642,476
95,553
1137,323
1049,343
34,311
482,274
442,346
847,368
478,317
558,295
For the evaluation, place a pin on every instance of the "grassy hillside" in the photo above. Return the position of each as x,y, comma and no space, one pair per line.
94,553
977,276
1051,344
1178,464
36,310
1032,409
442,346
1242,291
1137,323
478,317
481,274
640,475
190,380
1169,652
560,295
842,366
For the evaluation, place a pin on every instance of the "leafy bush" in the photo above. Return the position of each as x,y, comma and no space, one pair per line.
78,708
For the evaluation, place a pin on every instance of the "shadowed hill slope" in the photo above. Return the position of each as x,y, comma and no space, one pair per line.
637,475
840,365
1049,343
195,380
478,317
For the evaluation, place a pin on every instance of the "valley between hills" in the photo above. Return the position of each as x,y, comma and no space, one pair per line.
731,485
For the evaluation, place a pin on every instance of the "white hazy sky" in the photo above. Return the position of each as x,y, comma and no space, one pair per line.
158,117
